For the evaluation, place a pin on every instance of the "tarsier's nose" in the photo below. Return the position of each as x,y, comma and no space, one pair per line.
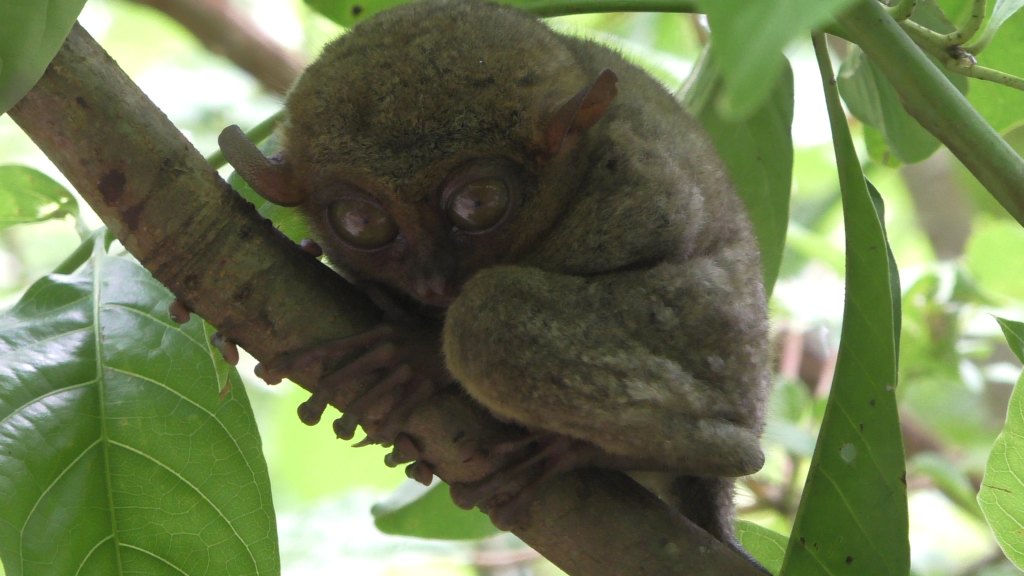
435,290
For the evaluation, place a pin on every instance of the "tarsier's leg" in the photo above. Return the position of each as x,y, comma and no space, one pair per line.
661,369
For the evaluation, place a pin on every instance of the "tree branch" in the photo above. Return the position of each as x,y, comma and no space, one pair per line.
227,31
211,248
936,104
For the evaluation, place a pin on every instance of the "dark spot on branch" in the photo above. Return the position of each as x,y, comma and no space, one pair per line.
131,217
111,186
191,281
81,102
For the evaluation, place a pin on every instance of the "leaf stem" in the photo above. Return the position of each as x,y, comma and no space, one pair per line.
903,10
940,108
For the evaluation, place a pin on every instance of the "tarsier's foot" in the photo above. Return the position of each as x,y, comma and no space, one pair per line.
538,457
179,311
405,451
396,361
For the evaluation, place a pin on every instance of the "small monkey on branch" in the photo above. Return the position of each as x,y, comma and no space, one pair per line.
545,227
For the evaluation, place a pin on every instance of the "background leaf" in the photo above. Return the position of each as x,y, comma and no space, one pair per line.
853,514
1002,490
1001,12
28,195
428,512
30,34
117,456
874,101
1002,106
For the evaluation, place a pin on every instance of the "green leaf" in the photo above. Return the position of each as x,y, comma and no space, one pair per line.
766,546
30,35
748,39
1001,12
853,514
117,453
428,512
348,13
874,101
28,195
1002,489
1014,332
1002,106
758,153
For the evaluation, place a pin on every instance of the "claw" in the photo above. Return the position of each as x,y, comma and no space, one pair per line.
366,441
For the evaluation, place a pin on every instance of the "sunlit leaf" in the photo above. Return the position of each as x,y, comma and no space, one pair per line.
117,453
30,35
1014,332
749,38
1002,490
428,512
28,195
853,514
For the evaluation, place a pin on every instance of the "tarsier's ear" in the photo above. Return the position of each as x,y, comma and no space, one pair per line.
267,177
580,112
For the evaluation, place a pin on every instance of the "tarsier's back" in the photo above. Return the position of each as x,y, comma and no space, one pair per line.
598,280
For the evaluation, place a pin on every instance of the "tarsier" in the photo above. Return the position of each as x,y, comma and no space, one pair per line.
563,234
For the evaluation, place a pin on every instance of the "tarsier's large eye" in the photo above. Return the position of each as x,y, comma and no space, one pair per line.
362,223
478,198
478,206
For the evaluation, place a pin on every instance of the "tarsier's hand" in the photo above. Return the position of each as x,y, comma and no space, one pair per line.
399,366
